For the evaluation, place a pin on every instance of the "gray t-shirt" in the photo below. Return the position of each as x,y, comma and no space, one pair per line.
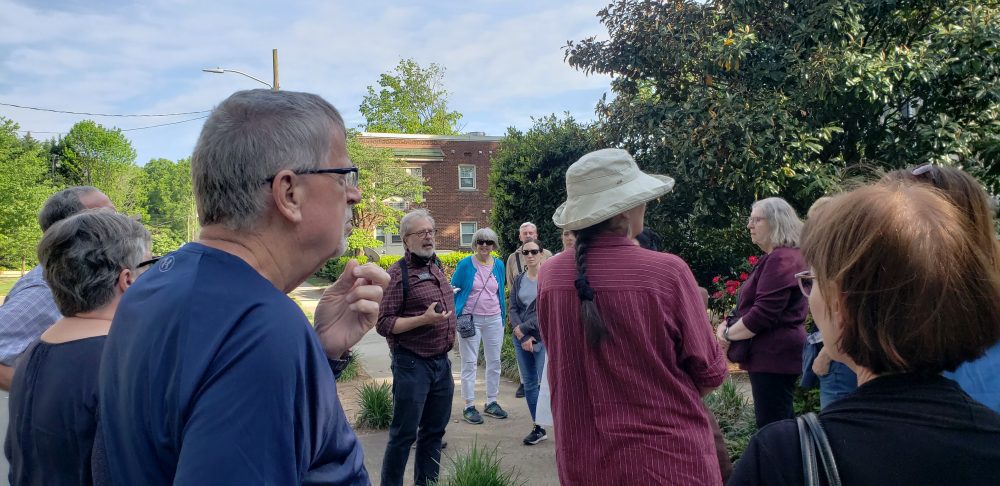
527,291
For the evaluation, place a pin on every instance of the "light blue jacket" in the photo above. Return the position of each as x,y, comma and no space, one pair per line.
981,378
464,275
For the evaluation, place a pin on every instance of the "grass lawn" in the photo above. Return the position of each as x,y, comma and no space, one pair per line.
6,283
317,281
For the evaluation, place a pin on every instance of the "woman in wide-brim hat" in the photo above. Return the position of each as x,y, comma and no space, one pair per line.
631,351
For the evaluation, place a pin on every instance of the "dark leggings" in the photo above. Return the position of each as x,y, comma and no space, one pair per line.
772,396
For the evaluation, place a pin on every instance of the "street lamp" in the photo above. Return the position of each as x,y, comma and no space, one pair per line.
274,60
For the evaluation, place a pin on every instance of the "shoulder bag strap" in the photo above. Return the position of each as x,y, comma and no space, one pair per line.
480,294
823,446
517,256
406,284
809,466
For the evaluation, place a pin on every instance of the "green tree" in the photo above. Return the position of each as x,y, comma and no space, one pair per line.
93,155
383,179
169,203
527,176
745,99
412,99
24,186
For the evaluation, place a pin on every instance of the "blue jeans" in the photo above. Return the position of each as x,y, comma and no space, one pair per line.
836,384
422,391
531,365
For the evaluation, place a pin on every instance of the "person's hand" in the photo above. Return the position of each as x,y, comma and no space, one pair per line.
431,315
349,308
517,333
720,336
821,365
527,345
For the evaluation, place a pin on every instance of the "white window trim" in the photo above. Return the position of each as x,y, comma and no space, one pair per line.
474,185
461,243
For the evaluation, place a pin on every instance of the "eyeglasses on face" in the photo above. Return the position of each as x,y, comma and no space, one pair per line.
806,280
754,220
423,234
484,242
350,174
530,252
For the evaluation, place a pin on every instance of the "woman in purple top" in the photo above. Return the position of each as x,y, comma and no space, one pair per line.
766,333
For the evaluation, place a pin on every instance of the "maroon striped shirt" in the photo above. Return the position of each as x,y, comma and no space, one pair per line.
629,412
427,284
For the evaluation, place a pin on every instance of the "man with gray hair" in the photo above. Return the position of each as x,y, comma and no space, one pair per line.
29,308
417,319
211,374
527,231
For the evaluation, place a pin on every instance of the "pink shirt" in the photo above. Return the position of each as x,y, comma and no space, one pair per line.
629,412
487,303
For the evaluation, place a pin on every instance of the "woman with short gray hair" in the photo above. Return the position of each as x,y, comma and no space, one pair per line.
766,332
480,279
89,260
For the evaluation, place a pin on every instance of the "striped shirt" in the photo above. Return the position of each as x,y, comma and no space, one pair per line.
630,412
26,313
427,284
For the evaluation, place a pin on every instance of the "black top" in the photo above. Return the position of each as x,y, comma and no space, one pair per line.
53,413
900,429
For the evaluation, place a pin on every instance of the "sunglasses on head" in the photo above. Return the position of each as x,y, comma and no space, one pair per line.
484,242
929,171
530,252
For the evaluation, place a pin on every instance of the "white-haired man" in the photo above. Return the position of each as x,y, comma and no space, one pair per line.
515,267
211,374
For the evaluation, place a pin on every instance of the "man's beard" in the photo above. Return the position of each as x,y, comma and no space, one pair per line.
423,252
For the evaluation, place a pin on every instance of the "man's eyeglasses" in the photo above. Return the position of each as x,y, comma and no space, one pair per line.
806,280
484,242
422,234
930,171
350,174
530,252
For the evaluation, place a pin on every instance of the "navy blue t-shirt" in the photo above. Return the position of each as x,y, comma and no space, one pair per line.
211,375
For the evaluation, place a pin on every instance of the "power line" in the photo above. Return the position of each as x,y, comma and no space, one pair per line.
126,129
102,114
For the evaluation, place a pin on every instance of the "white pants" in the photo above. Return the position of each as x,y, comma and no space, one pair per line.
543,408
489,330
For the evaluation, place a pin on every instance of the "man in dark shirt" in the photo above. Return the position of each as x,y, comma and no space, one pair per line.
211,374
417,319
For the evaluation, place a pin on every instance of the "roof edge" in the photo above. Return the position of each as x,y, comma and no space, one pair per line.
418,136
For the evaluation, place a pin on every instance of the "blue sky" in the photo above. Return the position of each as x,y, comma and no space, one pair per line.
504,59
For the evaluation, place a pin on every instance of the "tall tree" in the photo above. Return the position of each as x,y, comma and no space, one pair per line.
527,176
744,99
383,179
411,99
169,203
24,186
91,154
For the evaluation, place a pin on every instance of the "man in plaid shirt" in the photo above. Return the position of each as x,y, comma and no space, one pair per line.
418,321
29,309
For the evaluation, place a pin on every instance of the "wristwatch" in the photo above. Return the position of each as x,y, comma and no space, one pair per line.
725,334
338,365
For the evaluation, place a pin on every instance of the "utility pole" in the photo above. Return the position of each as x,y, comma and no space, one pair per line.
274,63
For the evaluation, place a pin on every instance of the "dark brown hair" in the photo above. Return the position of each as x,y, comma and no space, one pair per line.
919,292
593,324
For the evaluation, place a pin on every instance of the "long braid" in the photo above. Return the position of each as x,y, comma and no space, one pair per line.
593,324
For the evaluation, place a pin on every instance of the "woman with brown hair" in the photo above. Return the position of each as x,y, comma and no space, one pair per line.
901,290
630,351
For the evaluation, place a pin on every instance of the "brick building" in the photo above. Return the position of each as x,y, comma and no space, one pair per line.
456,168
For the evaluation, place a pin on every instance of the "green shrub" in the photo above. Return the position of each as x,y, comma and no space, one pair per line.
353,369
332,269
805,400
479,466
375,399
735,415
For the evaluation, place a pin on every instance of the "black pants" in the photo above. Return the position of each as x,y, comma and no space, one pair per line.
772,397
422,391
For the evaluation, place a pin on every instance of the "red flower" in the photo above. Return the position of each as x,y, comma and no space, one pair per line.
744,276
732,284
716,279
752,260
731,290
717,295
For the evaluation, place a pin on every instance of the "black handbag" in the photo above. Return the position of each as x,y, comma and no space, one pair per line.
738,351
466,328
813,442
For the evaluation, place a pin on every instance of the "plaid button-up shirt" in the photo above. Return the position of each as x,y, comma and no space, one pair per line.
25,314
428,284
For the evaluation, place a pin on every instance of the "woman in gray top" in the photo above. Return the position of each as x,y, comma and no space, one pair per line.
531,352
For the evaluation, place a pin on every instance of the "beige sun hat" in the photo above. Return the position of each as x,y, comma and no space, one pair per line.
603,184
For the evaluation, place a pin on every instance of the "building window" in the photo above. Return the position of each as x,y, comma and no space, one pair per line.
397,203
467,230
397,239
394,239
380,235
418,173
467,177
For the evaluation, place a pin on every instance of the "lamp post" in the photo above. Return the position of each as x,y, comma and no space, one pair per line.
274,63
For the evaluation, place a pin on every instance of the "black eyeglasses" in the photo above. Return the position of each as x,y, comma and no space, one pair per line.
806,280
148,262
423,234
530,252
350,174
484,242
928,170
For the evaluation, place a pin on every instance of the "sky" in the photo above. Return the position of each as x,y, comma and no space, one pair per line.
504,59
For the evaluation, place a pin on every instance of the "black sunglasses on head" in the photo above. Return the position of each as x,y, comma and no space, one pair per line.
484,242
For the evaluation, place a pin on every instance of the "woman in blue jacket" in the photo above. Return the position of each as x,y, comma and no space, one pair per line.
480,280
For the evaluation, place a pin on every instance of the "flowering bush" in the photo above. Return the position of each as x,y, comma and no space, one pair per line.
724,288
